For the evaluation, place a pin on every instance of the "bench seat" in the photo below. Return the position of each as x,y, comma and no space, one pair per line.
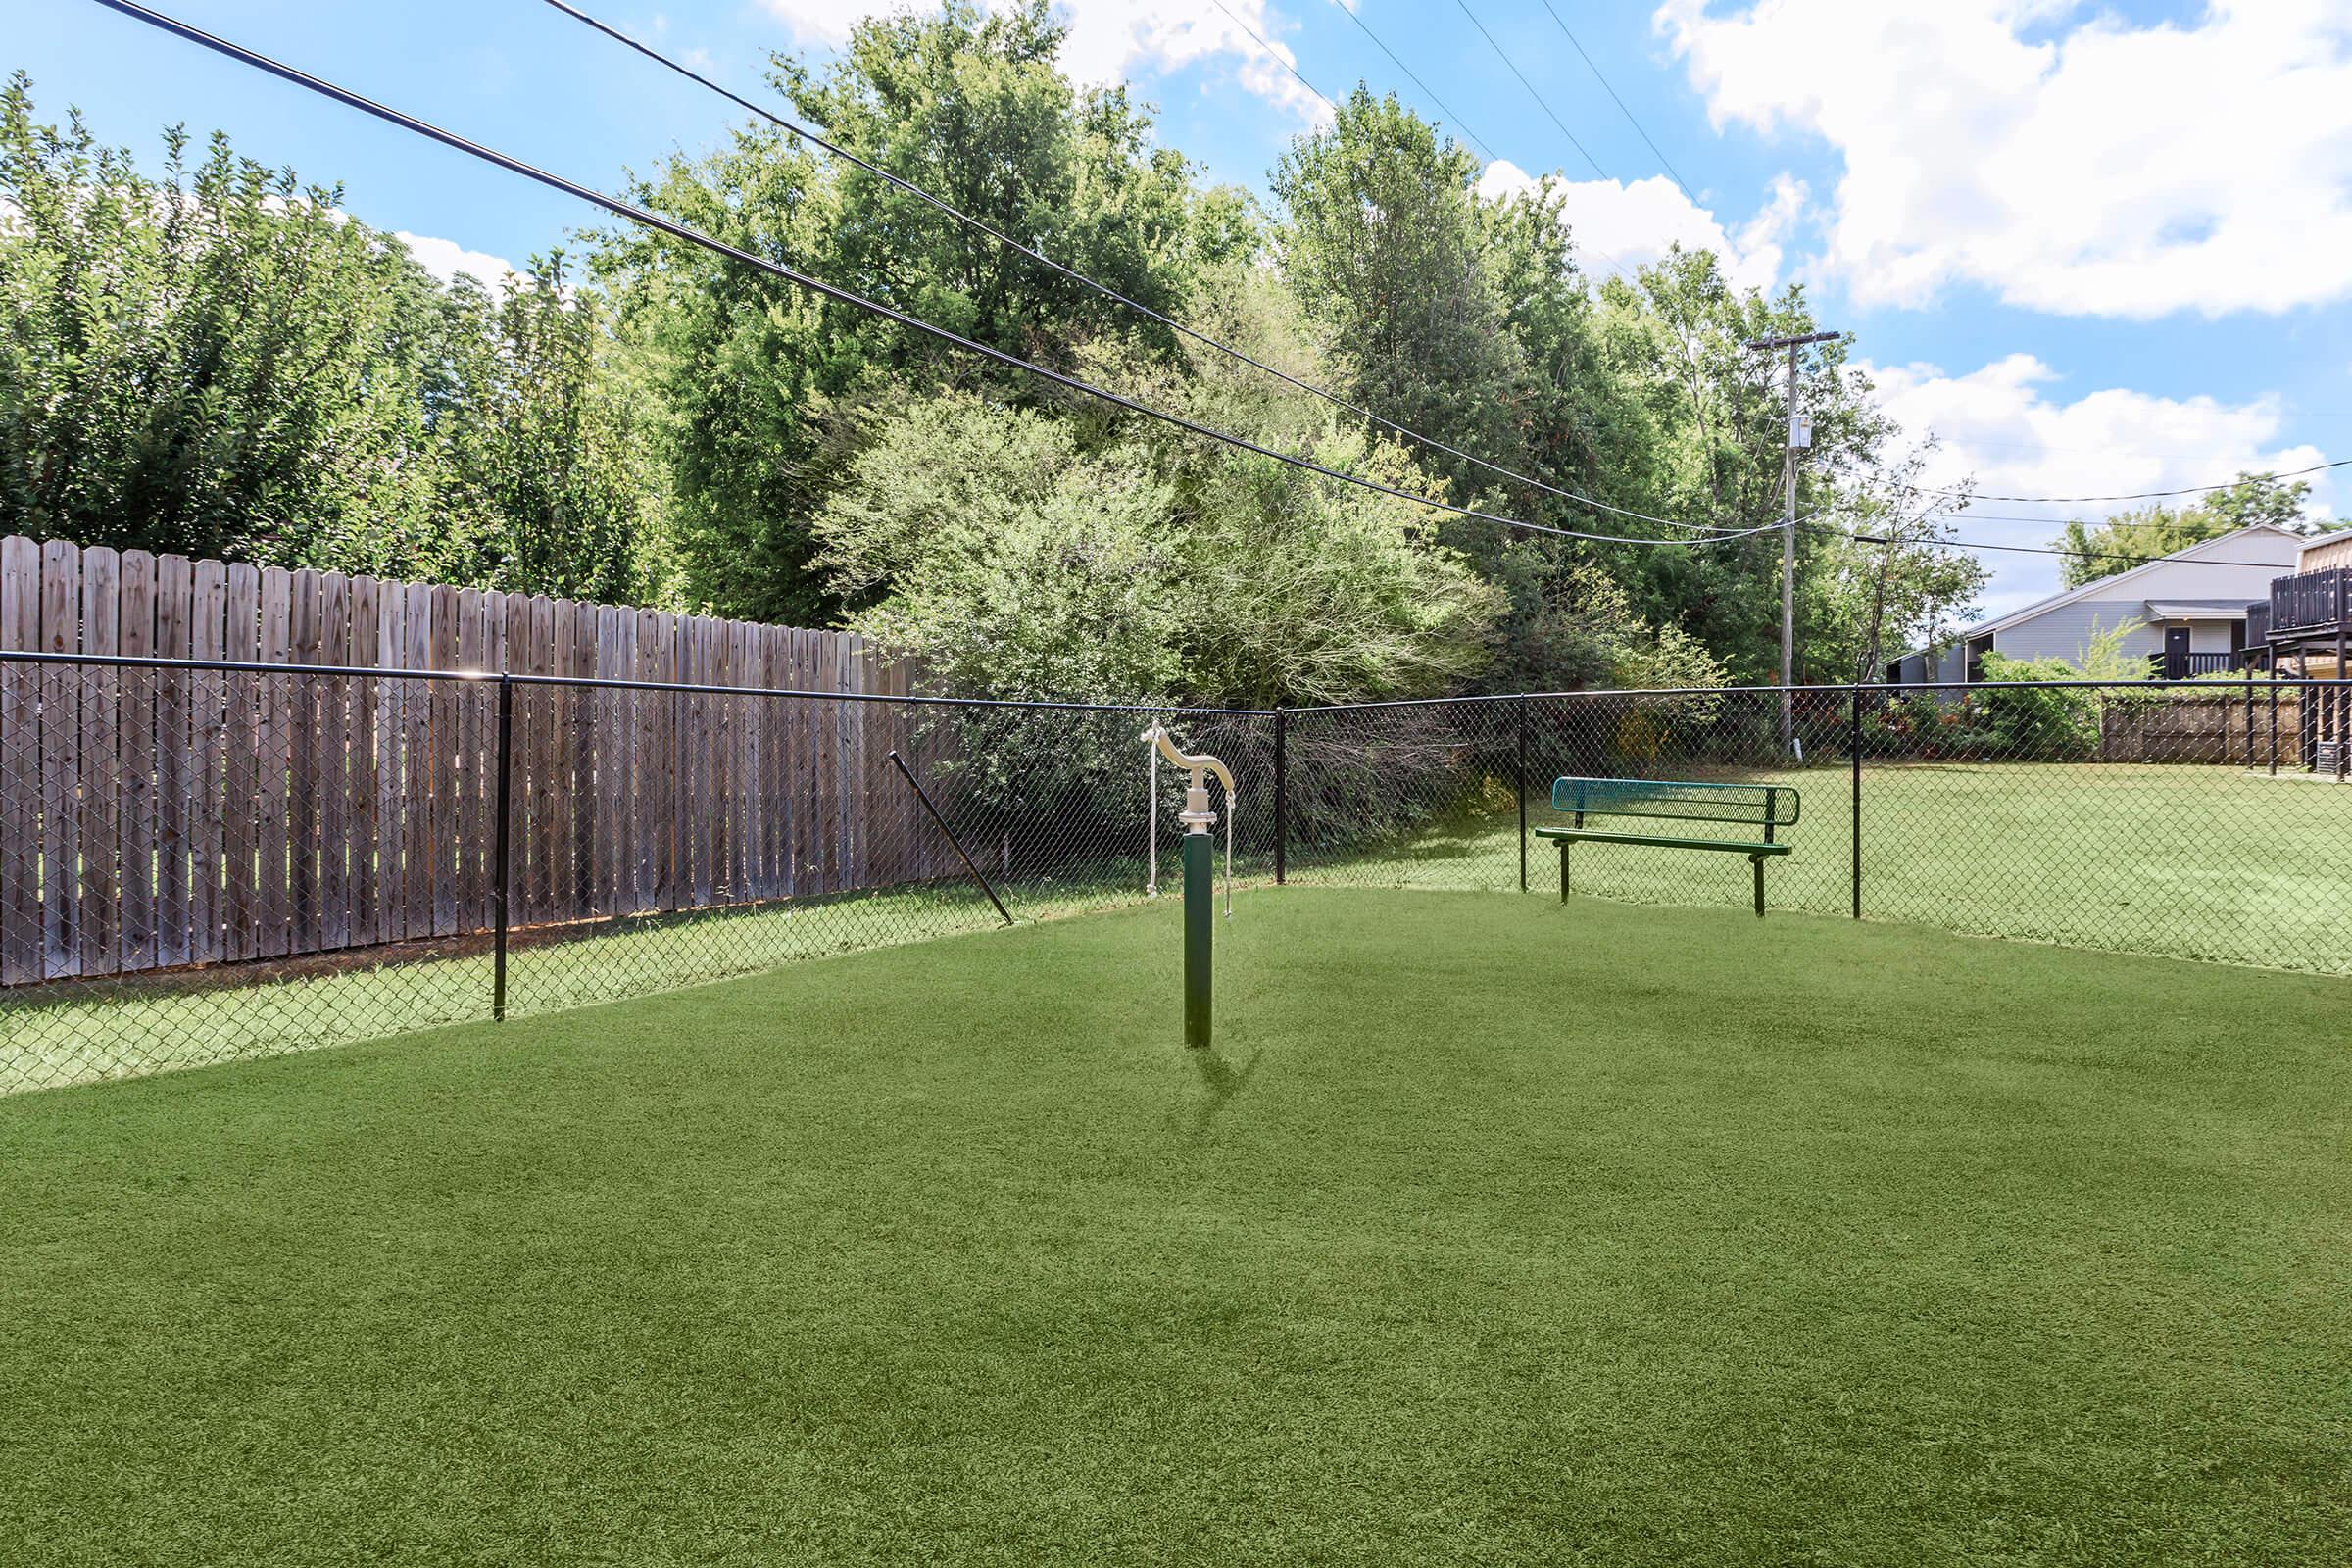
1755,849
1590,835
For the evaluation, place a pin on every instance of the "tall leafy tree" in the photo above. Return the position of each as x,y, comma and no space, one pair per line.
1715,415
1382,237
1897,587
220,361
769,390
549,482
1024,554
215,362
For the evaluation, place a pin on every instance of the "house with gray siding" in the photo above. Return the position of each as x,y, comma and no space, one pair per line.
2186,610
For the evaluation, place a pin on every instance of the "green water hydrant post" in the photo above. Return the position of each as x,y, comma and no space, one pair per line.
1200,872
1200,931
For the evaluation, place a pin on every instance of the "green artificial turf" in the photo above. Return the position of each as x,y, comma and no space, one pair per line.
1491,1231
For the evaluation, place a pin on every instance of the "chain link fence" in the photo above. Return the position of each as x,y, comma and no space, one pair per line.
210,862
2197,819
207,862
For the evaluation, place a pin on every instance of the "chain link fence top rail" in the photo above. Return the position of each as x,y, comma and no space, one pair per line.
203,863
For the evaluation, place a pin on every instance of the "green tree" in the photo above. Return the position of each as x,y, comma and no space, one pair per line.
769,391
1588,634
216,363
1890,590
549,482
1714,413
221,362
1020,554
1383,238
2127,538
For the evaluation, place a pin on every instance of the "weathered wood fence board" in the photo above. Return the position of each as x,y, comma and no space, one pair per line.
20,908
2226,725
151,819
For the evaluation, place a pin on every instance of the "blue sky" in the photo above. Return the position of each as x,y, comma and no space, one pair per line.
2091,249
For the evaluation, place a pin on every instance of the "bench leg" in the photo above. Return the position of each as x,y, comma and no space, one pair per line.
1563,870
1757,860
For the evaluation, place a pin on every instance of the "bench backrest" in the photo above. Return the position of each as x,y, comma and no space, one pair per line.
1764,806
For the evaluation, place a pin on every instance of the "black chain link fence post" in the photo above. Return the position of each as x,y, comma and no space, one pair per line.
2249,714
1853,745
500,874
1520,769
2274,716
1282,795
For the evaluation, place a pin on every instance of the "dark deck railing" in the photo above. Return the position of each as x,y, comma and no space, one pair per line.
2171,667
2307,602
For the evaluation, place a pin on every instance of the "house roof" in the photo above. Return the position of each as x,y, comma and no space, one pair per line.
2105,587
2196,609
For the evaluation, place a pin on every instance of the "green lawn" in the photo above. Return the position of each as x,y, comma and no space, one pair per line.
1494,1232
2189,861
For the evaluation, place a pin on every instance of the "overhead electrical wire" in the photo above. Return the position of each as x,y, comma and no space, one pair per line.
1941,543
2137,495
1413,76
1541,102
1275,56
638,214
1621,104
980,226
1243,357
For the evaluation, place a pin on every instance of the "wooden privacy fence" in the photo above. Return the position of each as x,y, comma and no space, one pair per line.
152,817
2220,724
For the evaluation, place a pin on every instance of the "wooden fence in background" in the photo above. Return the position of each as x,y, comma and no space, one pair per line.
151,819
2215,724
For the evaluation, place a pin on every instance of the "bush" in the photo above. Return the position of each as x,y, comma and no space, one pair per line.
2021,723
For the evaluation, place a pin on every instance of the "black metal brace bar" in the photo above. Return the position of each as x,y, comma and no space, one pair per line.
923,795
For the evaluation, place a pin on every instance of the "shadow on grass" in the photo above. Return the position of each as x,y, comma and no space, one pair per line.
1222,1084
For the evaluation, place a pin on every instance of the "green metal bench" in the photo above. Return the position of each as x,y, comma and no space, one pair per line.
1764,806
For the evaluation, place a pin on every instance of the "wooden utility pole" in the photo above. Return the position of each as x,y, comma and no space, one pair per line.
1800,435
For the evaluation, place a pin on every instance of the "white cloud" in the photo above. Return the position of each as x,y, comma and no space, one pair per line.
825,21
1111,40
1638,222
2000,424
2055,154
445,259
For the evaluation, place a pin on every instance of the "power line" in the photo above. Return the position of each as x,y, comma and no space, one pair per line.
693,236
2139,495
1275,55
1531,87
1941,543
1106,290
1621,106
1475,140
1615,266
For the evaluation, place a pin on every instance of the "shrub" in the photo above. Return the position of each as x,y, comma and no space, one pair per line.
2021,723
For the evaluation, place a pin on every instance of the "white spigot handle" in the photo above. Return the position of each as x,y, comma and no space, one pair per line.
1196,800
